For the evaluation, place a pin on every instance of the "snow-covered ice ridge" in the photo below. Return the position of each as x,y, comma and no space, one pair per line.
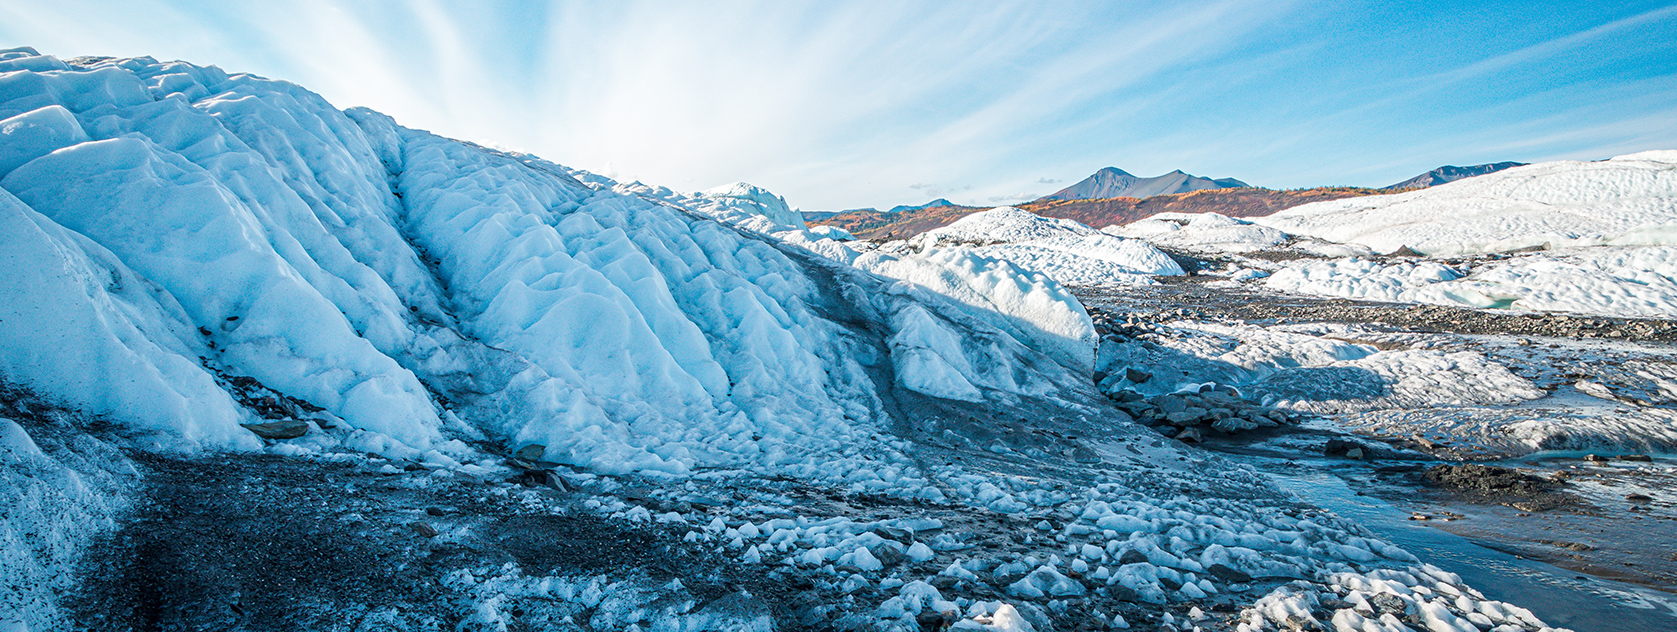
163,217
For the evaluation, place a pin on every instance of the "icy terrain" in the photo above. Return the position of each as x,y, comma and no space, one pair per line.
1572,237
1068,252
236,315
421,384
1628,200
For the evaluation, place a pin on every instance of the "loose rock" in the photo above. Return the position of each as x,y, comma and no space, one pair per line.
279,430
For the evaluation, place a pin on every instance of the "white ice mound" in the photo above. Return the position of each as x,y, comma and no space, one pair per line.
1028,305
201,222
1064,250
1629,200
1000,225
744,205
81,325
758,200
37,133
1205,232
831,232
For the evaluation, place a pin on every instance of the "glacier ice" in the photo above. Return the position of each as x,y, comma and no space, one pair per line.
193,221
1628,200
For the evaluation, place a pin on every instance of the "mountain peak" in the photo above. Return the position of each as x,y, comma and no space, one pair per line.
1112,182
1451,173
932,204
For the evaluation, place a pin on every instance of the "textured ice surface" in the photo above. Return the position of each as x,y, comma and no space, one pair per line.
423,290
1031,305
1314,372
1636,282
1064,250
56,492
168,217
1629,200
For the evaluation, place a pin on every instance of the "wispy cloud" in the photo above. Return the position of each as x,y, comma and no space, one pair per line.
870,103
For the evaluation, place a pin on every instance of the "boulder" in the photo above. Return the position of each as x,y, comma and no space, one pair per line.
895,533
279,430
532,452
888,555
1170,403
1344,448
1228,574
1183,418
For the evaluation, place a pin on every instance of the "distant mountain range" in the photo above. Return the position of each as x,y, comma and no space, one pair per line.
1113,182
1232,202
1450,173
1112,196
932,204
821,216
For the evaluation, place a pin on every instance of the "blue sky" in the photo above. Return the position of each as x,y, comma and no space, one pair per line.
842,105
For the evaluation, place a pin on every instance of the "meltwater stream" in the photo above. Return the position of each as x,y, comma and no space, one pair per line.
1559,597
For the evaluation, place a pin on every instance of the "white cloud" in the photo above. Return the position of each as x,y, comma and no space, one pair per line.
832,105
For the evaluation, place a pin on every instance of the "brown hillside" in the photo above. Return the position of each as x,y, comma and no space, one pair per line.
1241,202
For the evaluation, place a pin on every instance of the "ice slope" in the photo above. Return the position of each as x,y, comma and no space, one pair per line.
1030,306
1064,250
1628,200
168,221
79,324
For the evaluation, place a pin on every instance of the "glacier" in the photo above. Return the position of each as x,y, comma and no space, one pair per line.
191,217
189,251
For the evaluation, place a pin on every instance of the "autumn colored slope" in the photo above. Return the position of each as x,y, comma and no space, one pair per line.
1239,202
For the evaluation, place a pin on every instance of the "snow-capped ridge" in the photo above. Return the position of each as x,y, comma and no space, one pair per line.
1627,200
